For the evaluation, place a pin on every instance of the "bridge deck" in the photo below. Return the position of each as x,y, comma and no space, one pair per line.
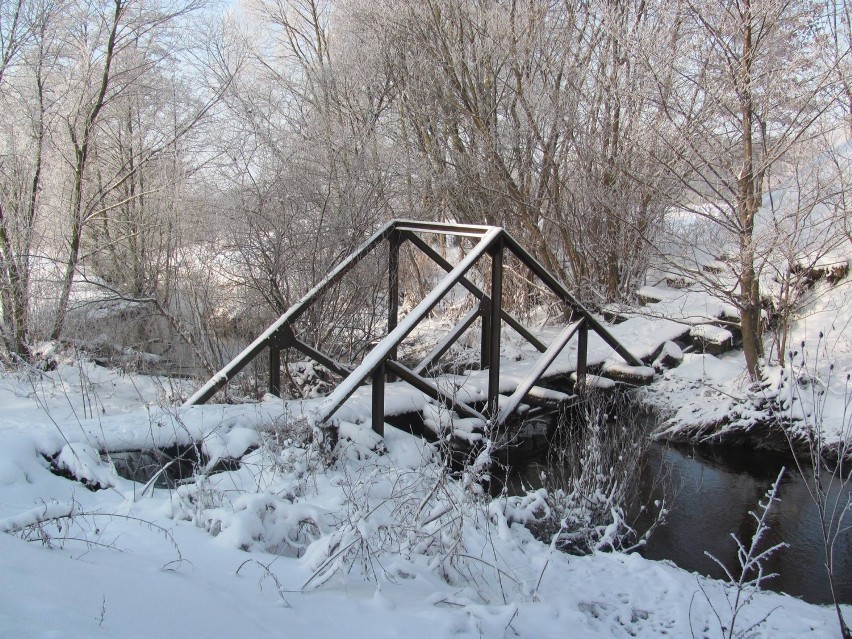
471,387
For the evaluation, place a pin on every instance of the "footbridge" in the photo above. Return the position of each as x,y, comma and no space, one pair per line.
502,402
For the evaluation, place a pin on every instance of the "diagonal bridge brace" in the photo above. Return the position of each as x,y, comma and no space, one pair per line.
381,362
382,351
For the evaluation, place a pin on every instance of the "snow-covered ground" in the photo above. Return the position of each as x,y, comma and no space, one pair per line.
378,545
709,397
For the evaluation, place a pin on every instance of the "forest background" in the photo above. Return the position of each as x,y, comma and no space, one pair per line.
192,168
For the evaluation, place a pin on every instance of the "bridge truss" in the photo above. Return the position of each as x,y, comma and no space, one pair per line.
381,363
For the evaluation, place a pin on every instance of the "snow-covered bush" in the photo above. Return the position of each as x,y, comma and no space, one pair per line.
251,505
391,520
370,515
305,378
592,485
744,581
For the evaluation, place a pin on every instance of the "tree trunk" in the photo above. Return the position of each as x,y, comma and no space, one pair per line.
81,152
750,323
14,295
749,186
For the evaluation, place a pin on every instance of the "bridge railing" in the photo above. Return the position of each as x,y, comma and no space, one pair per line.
381,361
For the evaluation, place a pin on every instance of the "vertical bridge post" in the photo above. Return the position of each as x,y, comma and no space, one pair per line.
582,355
378,407
485,337
278,341
494,322
380,374
394,242
274,370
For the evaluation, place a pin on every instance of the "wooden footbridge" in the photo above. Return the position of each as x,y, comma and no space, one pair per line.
381,363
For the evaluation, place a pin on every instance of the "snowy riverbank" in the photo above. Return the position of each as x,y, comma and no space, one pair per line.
708,399
377,545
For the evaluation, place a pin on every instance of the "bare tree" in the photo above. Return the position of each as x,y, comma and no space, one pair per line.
537,117
102,105
81,128
109,64
837,32
309,174
614,192
29,52
750,90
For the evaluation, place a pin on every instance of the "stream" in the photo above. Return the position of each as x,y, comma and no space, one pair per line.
710,491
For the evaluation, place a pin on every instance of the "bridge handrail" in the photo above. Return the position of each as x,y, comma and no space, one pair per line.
290,315
385,347
492,240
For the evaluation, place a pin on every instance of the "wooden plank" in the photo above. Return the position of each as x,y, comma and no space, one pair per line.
428,387
442,228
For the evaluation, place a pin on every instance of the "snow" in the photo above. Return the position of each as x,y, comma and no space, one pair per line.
645,334
549,394
375,544
596,381
708,396
692,307
711,334
84,462
625,370
670,355
375,539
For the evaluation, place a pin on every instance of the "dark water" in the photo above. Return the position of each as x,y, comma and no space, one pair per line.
168,467
709,495
712,493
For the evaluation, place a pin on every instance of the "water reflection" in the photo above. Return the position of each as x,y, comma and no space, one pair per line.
710,493
713,494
